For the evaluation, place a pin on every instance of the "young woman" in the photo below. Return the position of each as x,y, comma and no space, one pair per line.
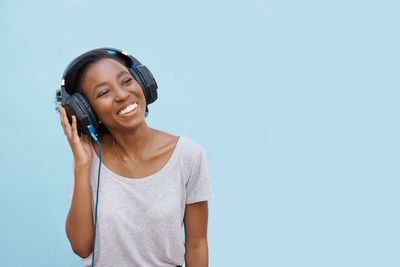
151,182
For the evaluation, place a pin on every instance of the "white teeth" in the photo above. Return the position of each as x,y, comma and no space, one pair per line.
128,109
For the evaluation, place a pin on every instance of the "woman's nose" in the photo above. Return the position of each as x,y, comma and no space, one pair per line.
121,93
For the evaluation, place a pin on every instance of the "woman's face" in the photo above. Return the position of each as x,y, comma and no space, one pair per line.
116,97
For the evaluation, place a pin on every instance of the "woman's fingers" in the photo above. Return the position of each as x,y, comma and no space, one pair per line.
74,132
75,139
61,116
80,146
64,122
66,125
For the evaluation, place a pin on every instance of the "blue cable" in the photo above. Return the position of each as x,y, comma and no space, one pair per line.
93,135
97,197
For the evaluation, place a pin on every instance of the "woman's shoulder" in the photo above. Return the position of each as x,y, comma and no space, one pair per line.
187,145
191,143
191,147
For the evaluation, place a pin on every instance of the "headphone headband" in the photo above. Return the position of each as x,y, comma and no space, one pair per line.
130,60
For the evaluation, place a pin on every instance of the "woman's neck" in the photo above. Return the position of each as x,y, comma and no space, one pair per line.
134,144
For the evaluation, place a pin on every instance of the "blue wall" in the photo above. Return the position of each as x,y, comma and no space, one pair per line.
295,102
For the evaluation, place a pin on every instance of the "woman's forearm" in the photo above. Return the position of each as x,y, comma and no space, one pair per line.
196,255
79,225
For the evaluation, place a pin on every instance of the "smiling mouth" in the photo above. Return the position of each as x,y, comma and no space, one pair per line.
130,109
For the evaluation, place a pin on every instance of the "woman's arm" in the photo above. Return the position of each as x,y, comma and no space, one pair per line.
195,221
79,225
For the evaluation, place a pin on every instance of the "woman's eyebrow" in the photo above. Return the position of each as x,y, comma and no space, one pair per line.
122,73
98,86
104,83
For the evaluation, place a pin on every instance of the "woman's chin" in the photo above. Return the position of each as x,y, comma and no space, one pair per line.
130,124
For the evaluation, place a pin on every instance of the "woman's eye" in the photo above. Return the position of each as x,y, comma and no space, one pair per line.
103,93
127,81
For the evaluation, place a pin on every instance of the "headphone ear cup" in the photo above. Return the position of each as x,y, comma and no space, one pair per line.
85,114
151,82
143,76
136,75
73,109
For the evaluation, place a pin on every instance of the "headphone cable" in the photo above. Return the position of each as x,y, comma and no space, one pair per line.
92,133
97,198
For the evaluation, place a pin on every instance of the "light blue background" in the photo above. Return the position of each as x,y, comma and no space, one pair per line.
295,102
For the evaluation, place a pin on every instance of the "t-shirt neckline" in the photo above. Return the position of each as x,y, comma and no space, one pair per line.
146,179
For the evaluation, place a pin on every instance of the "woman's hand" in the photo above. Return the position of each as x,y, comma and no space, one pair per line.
80,146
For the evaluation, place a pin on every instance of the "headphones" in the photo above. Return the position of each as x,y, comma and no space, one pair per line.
76,104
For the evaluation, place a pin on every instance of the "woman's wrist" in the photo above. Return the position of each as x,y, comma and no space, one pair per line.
82,166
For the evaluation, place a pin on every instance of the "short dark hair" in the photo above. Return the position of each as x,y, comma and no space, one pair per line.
73,78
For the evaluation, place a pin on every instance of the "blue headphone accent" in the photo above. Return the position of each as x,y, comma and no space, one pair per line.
92,131
112,52
72,63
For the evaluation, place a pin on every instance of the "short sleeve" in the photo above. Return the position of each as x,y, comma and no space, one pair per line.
198,187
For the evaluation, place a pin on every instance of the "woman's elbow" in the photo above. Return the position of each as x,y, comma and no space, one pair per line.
82,253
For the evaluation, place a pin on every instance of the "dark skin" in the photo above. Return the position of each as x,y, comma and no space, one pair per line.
110,88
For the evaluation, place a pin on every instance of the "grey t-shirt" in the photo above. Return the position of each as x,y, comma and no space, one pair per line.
139,221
